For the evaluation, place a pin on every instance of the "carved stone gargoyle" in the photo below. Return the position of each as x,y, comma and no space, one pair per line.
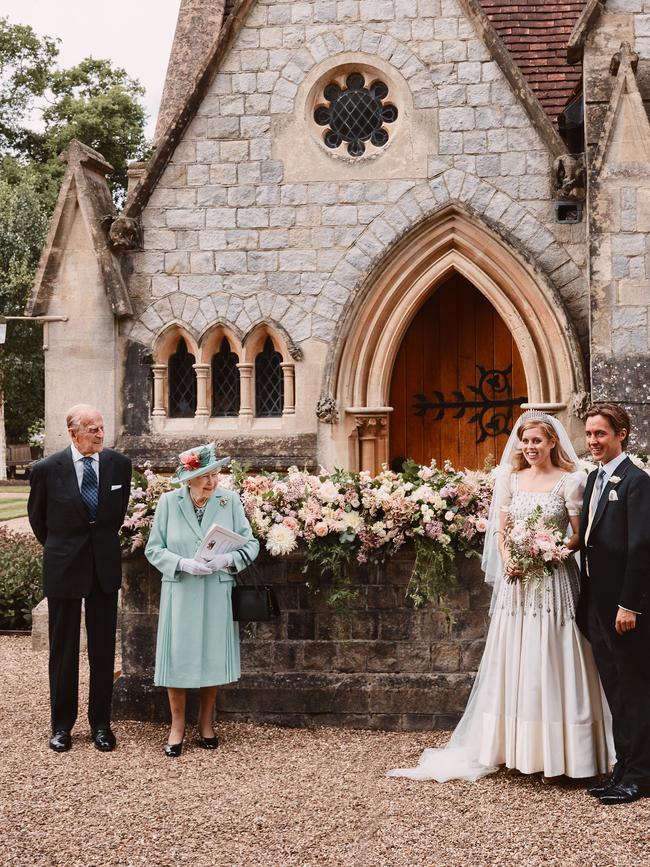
570,177
125,233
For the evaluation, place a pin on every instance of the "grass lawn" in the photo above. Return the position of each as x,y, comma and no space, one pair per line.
13,506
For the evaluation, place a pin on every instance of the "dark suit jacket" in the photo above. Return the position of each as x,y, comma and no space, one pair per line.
75,549
615,561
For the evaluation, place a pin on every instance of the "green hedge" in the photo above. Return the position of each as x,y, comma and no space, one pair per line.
21,578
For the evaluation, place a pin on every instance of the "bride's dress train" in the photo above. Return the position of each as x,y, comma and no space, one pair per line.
537,703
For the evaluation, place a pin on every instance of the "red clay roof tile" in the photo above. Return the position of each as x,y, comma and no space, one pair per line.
536,34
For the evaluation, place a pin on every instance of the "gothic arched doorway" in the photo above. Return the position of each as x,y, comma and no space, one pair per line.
458,380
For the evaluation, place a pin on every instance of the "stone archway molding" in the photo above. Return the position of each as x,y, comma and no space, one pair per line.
451,240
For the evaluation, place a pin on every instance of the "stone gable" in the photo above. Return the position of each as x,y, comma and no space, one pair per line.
228,237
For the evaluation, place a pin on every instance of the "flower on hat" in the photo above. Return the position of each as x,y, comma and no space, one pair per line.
191,461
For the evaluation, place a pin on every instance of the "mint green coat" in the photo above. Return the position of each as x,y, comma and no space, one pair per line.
198,642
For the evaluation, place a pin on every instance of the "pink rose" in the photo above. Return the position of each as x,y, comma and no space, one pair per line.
321,529
191,461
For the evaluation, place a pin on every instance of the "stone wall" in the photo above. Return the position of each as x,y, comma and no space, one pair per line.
618,137
385,666
253,220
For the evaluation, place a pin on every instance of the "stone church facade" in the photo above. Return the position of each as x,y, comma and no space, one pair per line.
370,229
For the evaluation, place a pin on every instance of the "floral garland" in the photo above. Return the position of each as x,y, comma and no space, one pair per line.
342,517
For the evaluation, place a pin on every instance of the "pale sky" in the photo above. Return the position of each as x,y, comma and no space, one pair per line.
134,34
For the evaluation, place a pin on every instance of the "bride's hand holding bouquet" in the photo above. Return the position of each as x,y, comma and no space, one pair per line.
533,547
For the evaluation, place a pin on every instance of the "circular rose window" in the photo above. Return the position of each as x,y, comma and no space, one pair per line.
355,112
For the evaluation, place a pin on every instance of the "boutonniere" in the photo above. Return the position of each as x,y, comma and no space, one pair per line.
223,502
613,496
614,480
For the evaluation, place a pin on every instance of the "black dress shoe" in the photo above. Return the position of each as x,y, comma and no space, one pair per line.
104,740
621,793
208,743
602,787
61,741
173,751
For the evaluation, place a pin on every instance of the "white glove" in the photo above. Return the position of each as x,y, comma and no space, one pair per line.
219,562
193,567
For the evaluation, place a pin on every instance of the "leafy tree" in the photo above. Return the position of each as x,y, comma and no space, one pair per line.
42,108
99,106
26,62
24,216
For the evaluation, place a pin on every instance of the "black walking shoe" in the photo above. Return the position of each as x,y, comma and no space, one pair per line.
622,793
104,740
602,787
61,741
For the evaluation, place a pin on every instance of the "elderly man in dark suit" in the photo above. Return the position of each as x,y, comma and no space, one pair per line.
77,504
614,605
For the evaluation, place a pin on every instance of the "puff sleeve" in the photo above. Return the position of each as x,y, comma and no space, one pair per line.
503,491
574,492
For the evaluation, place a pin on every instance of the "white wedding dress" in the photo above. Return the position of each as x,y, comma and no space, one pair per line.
537,704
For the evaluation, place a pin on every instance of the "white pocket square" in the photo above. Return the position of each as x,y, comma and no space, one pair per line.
117,487
613,496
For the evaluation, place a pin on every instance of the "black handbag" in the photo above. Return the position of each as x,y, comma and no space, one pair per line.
256,602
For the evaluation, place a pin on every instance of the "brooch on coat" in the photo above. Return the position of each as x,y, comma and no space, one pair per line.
223,502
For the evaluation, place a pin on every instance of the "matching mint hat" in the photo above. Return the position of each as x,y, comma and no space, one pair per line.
197,462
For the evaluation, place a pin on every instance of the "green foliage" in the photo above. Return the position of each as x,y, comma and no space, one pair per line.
328,559
434,573
20,578
24,214
93,102
25,65
99,105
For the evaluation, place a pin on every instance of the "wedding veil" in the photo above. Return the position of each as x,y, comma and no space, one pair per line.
491,561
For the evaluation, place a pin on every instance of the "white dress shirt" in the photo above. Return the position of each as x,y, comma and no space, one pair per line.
610,467
77,457
610,470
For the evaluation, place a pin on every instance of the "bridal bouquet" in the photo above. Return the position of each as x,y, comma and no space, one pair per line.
535,546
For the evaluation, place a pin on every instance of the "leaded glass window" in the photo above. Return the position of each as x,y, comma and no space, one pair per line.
355,114
182,383
269,384
225,381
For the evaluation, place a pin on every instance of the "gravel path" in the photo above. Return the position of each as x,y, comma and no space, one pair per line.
275,797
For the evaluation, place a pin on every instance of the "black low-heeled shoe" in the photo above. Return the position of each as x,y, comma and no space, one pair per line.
208,743
173,751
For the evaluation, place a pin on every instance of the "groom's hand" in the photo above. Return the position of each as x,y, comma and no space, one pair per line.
625,621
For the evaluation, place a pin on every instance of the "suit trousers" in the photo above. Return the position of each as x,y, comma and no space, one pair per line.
626,682
64,625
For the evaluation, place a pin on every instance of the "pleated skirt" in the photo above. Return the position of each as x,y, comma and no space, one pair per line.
198,641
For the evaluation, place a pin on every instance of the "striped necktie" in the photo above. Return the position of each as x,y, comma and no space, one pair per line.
90,488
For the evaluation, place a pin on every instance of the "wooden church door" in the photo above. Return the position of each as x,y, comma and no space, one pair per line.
458,381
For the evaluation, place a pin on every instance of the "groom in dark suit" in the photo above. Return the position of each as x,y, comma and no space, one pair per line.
614,604
77,504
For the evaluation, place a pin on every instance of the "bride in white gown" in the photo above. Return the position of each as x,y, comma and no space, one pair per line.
536,704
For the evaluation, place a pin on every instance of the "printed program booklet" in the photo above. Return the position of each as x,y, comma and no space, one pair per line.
219,540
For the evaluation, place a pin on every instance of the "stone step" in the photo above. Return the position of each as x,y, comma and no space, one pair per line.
40,640
406,702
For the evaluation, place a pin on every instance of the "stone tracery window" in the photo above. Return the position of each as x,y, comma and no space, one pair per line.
355,113
225,381
269,383
182,382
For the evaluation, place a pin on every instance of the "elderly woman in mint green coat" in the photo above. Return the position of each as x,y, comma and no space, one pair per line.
198,642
